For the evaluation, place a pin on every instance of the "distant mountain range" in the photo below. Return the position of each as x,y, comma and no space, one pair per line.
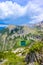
1,28
3,25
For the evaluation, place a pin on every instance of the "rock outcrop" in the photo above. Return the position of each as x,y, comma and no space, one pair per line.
34,57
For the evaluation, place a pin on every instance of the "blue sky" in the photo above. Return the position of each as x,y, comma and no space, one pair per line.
21,2
21,12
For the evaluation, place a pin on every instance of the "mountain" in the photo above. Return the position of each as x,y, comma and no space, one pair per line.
21,45
18,30
23,30
11,34
39,24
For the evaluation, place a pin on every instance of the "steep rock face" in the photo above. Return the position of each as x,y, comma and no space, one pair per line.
33,57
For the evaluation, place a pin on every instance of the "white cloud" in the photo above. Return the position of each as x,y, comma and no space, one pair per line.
9,9
3,25
33,10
